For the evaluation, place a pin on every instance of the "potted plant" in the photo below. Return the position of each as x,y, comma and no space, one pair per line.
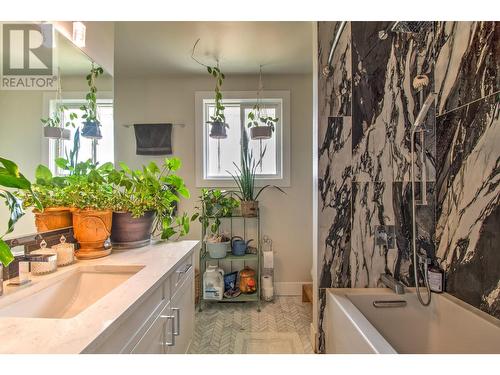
215,205
145,202
50,192
91,197
11,178
53,126
91,125
217,122
260,124
245,180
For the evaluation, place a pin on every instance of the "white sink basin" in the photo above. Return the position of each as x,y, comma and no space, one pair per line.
66,296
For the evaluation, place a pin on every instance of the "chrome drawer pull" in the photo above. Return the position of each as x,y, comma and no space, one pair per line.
187,267
178,313
172,336
393,303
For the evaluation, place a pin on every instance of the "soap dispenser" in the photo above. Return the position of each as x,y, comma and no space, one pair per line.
436,277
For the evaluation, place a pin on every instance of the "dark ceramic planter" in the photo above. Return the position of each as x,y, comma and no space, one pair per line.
218,130
54,132
128,231
92,129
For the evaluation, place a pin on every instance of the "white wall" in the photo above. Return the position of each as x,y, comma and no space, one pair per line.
285,218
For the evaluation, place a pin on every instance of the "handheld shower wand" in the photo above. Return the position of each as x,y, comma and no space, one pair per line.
420,258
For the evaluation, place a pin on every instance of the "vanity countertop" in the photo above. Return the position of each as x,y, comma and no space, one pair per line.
87,329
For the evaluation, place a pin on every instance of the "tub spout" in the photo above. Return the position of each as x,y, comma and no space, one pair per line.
390,282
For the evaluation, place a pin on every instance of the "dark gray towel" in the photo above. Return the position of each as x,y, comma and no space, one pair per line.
153,139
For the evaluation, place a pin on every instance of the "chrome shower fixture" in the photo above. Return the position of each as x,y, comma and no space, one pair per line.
407,27
327,69
419,259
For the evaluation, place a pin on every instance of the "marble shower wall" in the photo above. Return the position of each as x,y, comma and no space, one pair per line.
366,108
468,160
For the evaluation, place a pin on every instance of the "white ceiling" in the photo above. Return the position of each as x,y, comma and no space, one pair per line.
164,48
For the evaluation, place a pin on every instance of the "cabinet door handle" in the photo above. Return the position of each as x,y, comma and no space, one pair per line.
178,318
187,267
172,336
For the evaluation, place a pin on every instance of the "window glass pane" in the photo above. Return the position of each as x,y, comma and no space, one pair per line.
222,153
268,146
105,146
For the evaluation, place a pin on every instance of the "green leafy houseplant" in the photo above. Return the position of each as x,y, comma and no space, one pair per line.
153,189
245,179
256,119
260,124
11,178
218,119
56,119
91,122
215,204
51,192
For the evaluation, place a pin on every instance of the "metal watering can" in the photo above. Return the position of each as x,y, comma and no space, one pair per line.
239,246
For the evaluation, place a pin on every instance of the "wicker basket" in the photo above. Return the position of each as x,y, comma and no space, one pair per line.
197,291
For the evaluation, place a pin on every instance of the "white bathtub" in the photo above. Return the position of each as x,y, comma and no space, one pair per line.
353,325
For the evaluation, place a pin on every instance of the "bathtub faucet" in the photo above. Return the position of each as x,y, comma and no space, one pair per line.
390,282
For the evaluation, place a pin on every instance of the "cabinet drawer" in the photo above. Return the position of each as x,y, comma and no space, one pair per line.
180,274
160,335
126,335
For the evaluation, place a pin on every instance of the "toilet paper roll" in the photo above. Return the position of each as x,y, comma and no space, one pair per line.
268,293
267,281
268,259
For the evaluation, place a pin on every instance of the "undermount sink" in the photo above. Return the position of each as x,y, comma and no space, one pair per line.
70,294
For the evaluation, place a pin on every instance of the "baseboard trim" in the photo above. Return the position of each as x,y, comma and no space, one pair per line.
289,288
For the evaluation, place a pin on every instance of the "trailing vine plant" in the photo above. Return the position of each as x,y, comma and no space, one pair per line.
219,79
90,108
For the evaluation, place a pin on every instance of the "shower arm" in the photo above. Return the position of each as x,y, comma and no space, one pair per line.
327,71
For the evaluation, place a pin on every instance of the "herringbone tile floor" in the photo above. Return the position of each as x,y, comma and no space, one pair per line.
217,325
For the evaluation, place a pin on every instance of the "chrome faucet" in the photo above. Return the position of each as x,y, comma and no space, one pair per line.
390,282
24,267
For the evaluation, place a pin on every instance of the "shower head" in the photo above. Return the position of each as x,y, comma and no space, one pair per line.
423,111
407,27
410,27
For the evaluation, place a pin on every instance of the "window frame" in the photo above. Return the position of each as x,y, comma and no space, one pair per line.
51,147
203,99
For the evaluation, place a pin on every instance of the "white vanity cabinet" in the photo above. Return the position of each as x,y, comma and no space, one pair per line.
164,321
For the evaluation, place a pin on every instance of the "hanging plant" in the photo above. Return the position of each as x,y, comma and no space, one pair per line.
54,126
91,124
260,124
218,120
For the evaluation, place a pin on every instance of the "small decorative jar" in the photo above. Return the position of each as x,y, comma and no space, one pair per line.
65,252
42,268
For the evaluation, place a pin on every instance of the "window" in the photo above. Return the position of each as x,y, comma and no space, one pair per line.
104,146
217,157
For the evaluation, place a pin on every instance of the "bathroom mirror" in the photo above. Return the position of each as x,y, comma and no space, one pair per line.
22,138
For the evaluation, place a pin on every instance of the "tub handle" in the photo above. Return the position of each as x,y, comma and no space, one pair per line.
392,303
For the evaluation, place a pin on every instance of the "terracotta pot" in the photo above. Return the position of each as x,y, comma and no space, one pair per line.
53,218
249,208
128,231
92,228
261,132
